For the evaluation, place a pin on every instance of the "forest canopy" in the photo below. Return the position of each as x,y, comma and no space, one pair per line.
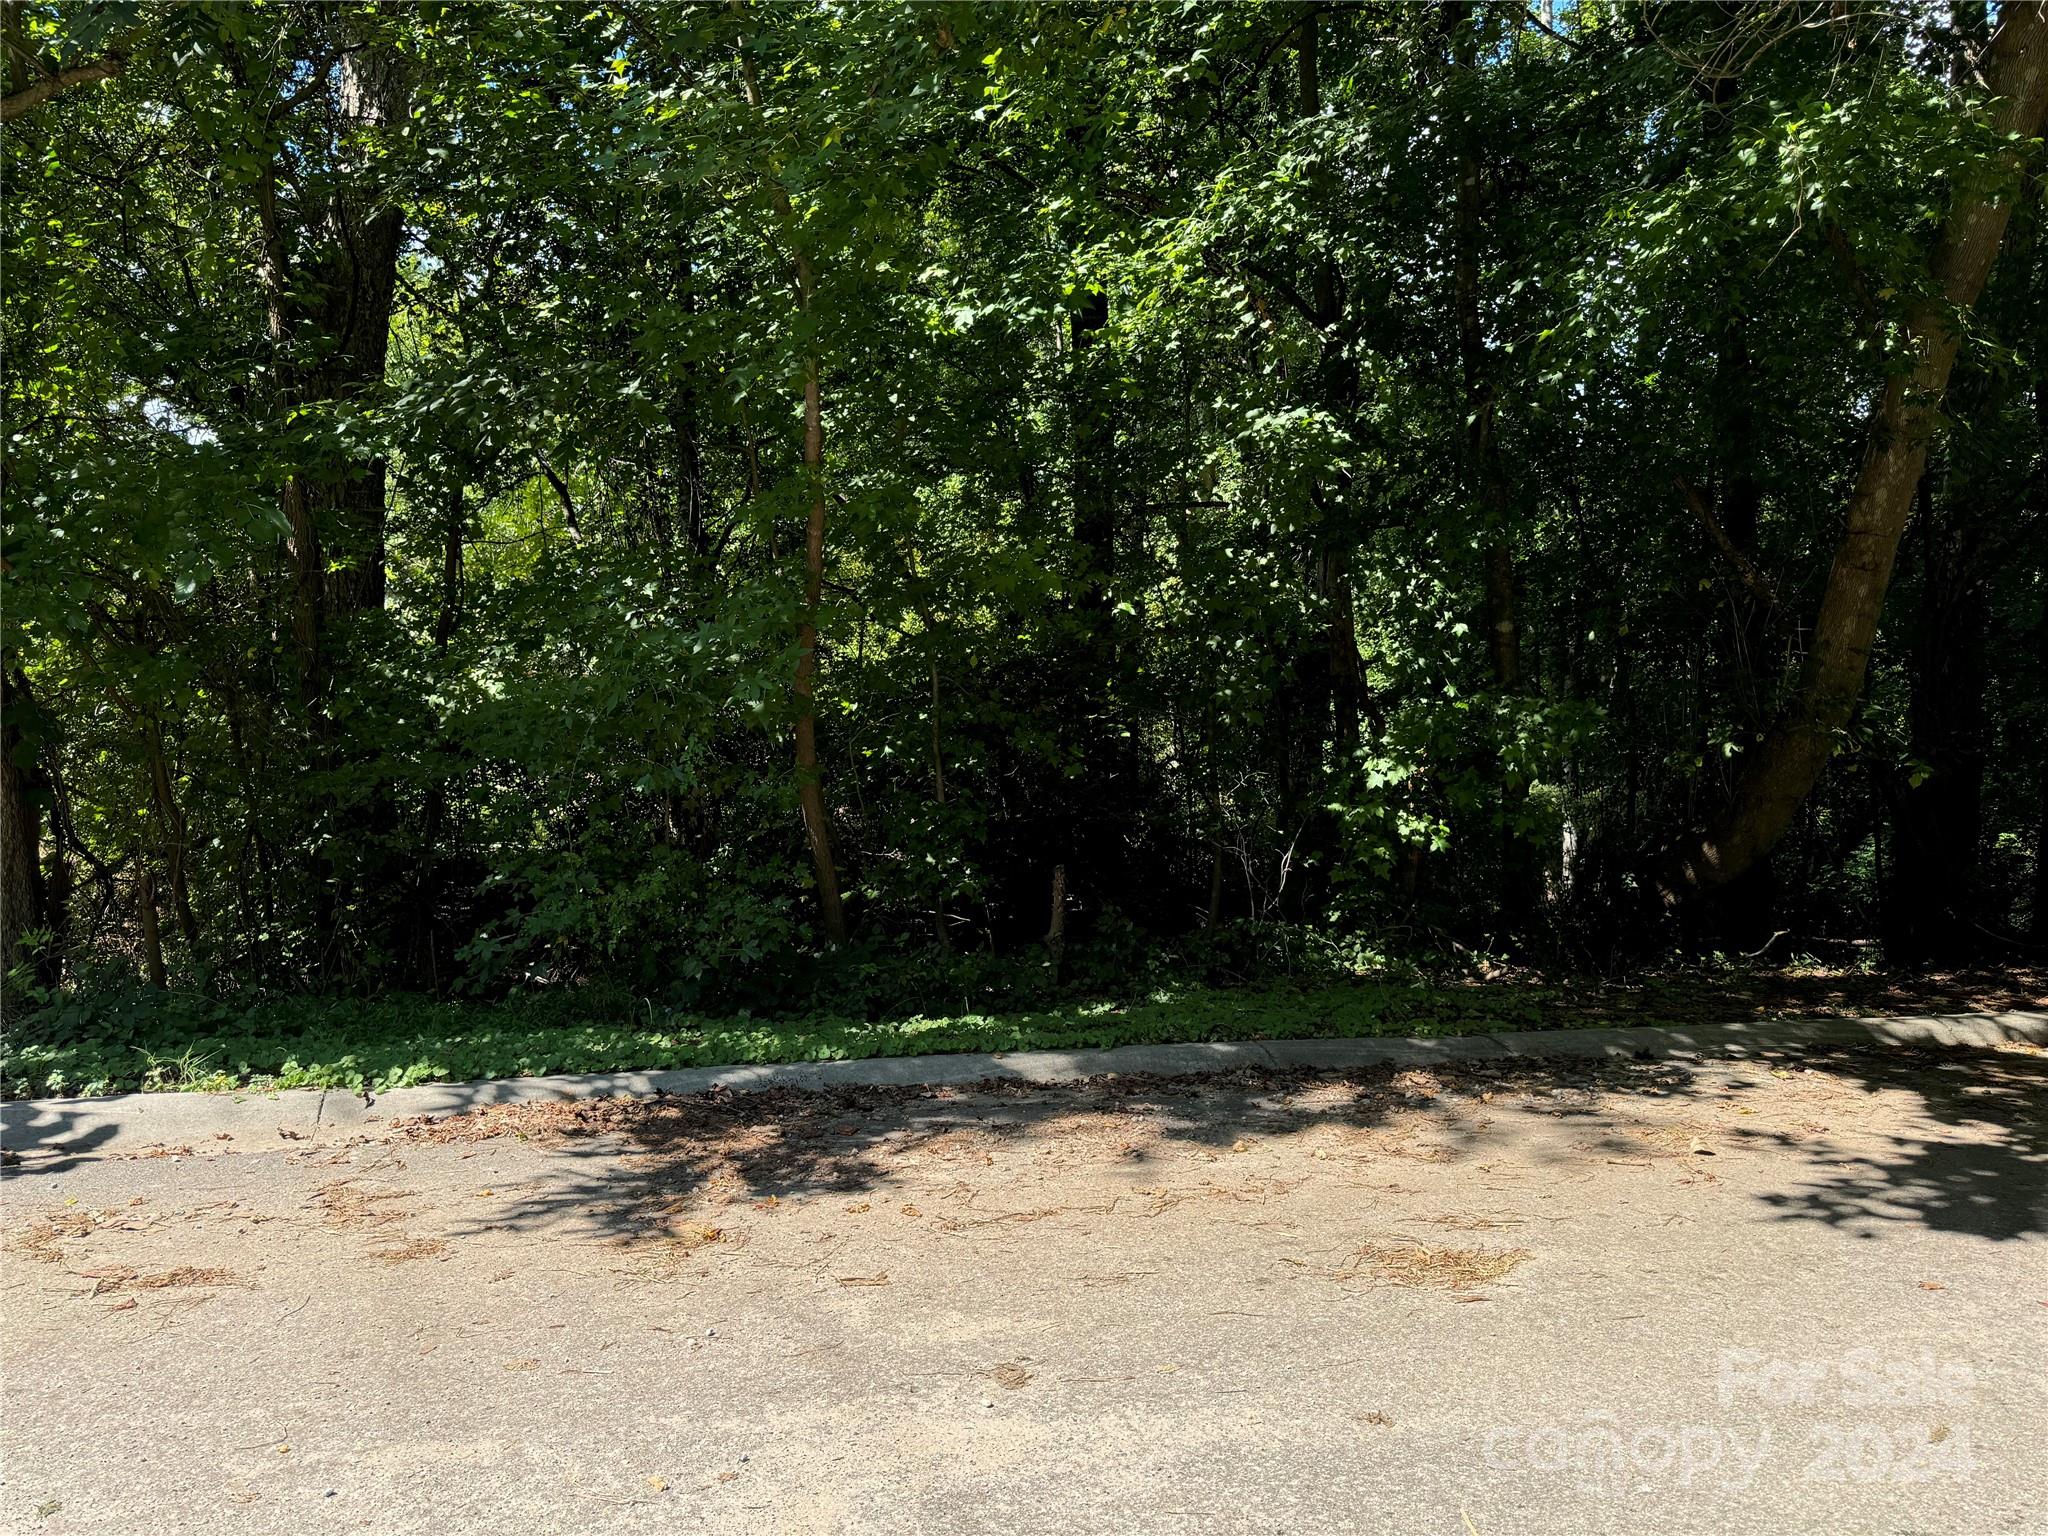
504,495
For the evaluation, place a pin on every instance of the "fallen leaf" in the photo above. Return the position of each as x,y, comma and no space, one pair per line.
857,1210
658,1484
1932,1285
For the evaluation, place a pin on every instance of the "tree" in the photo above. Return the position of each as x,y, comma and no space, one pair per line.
1779,773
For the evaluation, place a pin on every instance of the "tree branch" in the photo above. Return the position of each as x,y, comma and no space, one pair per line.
1535,20
562,491
17,103
1758,584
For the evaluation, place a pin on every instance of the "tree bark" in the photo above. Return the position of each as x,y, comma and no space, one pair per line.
1094,499
172,835
1338,383
810,780
1778,774
1520,883
364,227
810,784
22,905
2040,927
329,329
1486,475
152,935
24,96
1056,924
449,613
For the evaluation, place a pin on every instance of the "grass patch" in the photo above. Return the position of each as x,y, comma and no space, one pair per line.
392,1042
186,1041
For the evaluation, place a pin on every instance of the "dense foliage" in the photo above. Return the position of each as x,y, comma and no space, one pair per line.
677,496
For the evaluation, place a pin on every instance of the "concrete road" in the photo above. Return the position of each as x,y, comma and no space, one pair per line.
1488,1298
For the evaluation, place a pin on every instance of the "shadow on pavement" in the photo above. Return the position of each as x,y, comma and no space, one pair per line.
59,1134
1966,1152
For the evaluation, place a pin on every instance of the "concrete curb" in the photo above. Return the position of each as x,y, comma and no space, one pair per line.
131,1120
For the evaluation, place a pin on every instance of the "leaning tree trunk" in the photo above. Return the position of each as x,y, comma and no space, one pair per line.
1780,771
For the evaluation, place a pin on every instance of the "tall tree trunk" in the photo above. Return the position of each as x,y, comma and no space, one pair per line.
1779,773
2040,925
1082,845
1932,909
1094,497
22,895
809,778
692,501
810,783
328,274
2040,339
1736,513
449,613
1938,824
360,283
1486,476
145,912
339,301
1736,506
1338,383
173,839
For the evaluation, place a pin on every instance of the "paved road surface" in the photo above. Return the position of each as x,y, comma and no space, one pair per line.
1497,1297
